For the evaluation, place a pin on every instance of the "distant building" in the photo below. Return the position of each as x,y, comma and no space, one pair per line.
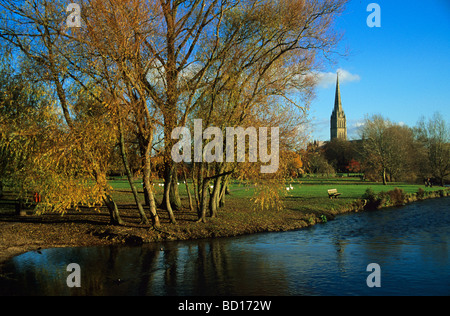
338,122
318,144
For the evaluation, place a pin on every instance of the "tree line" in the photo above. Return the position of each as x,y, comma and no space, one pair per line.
388,151
78,101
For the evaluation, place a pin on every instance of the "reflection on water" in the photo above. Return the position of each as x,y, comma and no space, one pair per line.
411,245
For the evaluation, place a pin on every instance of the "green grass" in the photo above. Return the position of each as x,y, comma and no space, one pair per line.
306,204
314,196
308,193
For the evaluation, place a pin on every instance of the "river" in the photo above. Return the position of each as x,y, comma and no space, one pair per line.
410,245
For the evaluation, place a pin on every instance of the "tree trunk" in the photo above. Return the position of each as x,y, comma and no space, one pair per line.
123,152
199,196
203,203
174,194
214,200
166,198
148,192
196,188
204,196
145,146
384,176
108,200
20,211
223,191
169,110
145,189
191,206
113,210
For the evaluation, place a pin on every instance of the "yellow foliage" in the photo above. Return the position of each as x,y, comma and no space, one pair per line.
65,166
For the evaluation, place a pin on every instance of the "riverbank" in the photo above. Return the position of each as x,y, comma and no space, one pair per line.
91,228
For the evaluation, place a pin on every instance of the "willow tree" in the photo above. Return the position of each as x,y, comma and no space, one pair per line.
173,56
44,155
256,60
434,135
32,29
112,48
22,104
199,44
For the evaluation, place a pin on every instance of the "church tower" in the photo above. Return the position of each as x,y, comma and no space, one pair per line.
338,121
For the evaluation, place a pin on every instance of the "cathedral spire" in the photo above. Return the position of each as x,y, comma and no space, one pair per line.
337,100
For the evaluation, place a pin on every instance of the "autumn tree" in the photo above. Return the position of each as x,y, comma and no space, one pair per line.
339,153
434,135
172,56
261,52
402,160
121,64
295,164
44,155
21,105
314,159
354,166
388,148
33,31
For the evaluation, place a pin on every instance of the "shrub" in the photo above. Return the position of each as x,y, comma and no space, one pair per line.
374,201
384,199
397,196
384,196
369,195
358,205
420,193
311,220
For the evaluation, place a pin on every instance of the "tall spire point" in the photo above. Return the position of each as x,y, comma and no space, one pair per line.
337,100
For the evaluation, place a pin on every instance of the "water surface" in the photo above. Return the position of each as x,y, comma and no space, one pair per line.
410,244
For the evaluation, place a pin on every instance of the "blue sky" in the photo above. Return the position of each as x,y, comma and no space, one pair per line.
400,70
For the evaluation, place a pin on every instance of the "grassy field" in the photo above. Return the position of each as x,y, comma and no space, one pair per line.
307,193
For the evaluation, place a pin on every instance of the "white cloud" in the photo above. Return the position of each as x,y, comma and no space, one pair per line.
353,128
326,79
